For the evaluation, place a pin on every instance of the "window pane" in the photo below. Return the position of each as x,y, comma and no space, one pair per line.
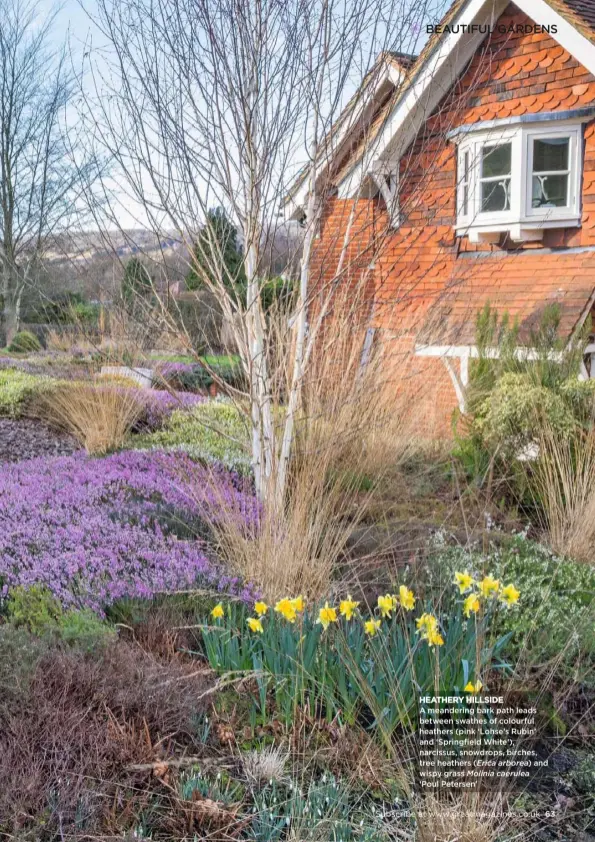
550,154
495,195
465,208
550,191
495,160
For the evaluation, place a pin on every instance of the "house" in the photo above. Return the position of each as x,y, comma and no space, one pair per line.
466,176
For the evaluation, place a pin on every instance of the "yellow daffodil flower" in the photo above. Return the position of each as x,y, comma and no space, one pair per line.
470,687
327,615
347,607
386,604
434,638
406,598
255,624
218,612
509,595
426,623
489,586
287,609
471,605
299,604
261,608
465,581
371,627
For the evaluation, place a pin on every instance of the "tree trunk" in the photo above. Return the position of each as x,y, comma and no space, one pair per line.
11,307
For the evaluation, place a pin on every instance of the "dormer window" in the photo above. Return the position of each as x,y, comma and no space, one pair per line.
518,178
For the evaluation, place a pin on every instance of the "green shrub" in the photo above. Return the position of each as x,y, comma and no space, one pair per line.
34,608
24,342
212,432
556,613
84,630
17,388
37,611
509,416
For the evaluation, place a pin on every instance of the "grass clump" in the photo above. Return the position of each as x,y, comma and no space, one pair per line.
99,416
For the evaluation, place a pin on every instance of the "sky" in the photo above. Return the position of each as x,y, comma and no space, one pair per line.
74,21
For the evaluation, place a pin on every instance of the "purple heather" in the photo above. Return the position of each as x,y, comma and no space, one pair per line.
93,531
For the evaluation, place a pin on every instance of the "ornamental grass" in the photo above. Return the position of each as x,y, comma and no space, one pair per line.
99,416
563,481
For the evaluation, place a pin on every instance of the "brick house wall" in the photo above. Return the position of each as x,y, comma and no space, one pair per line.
409,269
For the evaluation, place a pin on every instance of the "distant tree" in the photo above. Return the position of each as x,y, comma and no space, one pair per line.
218,254
137,284
40,181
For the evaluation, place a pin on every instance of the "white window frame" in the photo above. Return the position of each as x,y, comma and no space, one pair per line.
521,221
575,136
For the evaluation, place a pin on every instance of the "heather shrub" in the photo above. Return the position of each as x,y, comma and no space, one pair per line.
556,615
158,405
80,722
211,432
516,388
96,531
84,630
17,389
34,608
197,377
38,611
24,342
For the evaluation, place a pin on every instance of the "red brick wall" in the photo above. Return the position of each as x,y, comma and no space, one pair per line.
511,74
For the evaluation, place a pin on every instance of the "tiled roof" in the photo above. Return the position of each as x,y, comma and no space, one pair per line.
580,13
522,285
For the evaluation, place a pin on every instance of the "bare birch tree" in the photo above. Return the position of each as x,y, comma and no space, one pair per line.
218,103
39,179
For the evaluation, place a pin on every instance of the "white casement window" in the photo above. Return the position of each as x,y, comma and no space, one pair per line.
518,179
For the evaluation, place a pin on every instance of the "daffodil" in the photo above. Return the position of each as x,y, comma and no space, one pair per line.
287,609
509,595
426,624
371,627
218,612
347,607
327,615
489,586
299,604
471,605
386,604
470,687
434,638
255,624
406,598
464,581
261,608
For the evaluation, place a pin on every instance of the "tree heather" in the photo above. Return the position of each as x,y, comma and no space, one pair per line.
93,530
